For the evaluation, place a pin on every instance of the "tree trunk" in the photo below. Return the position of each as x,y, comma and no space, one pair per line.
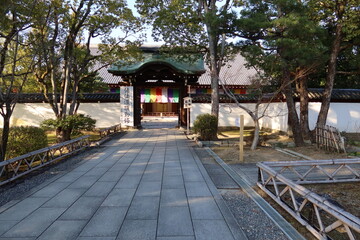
214,78
304,107
255,141
330,78
5,136
63,134
292,114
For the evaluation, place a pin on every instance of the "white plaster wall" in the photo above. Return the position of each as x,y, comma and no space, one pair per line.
106,114
344,116
275,115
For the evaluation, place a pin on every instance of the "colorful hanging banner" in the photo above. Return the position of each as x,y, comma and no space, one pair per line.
175,95
158,95
152,95
147,95
142,95
203,91
239,91
164,95
170,95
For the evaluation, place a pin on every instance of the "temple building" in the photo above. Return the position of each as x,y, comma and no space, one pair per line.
159,82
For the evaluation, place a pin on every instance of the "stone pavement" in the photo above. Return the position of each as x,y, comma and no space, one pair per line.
147,185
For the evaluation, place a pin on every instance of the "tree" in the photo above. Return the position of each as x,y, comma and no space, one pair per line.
258,90
281,40
15,61
63,48
189,25
342,20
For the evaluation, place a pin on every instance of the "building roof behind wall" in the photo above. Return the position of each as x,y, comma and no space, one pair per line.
233,73
107,77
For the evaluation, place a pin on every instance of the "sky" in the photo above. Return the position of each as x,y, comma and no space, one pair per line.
116,32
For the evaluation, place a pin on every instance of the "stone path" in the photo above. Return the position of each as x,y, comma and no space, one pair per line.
147,185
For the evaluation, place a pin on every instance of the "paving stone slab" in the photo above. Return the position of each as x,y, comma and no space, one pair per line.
204,208
197,189
145,208
35,223
85,167
138,230
173,182
128,182
97,171
100,189
84,182
119,198
96,238
148,189
31,238
152,175
6,225
172,172
111,176
71,176
173,198
61,230
174,221
83,208
212,230
51,190
22,209
193,175
65,198
105,223
175,238
119,166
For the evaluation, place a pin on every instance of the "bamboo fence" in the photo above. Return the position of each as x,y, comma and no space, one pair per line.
329,138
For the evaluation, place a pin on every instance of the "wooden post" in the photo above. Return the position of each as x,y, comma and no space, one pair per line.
241,143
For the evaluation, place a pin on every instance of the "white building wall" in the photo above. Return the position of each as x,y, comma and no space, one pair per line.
344,116
105,114
275,116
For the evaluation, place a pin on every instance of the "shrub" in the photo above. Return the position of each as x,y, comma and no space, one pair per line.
76,122
206,126
25,139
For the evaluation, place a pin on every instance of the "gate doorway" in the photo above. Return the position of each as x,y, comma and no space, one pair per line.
160,82
151,122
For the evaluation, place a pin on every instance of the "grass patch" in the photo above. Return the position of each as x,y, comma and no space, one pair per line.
94,136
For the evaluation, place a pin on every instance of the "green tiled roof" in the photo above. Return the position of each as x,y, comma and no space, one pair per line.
195,66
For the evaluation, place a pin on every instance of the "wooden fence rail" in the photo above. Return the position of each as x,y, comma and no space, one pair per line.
19,166
329,138
319,215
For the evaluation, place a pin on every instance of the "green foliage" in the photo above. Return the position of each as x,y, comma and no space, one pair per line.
281,34
25,139
206,126
76,123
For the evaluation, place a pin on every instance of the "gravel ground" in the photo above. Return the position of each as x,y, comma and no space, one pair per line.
250,218
16,189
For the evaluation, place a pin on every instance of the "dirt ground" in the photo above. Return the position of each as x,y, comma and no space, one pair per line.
346,194
261,154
